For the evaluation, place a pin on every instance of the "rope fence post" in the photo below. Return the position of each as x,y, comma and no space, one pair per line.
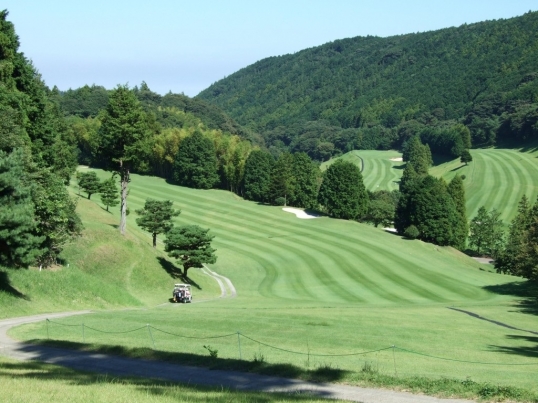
394,359
47,324
83,336
239,344
151,336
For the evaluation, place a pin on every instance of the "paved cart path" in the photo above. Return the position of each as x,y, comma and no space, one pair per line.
120,366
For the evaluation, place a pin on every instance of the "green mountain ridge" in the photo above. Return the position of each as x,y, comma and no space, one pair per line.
480,74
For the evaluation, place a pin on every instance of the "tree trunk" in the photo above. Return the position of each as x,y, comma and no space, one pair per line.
124,183
154,239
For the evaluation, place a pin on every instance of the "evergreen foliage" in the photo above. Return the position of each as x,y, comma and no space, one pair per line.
342,193
457,193
109,193
123,143
55,214
257,178
307,178
89,183
486,232
283,181
156,217
191,246
19,244
382,207
374,93
196,164
466,157
520,253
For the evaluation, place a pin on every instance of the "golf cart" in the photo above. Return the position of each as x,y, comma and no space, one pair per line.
182,293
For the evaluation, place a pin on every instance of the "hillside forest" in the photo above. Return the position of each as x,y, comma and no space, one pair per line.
381,94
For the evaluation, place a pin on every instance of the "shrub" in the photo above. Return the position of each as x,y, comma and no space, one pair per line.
411,232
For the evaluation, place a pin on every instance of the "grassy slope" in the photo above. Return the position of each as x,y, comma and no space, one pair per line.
105,271
329,287
496,178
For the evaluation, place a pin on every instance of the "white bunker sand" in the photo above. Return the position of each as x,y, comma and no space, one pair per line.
397,159
299,213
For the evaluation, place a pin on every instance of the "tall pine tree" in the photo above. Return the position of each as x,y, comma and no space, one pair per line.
457,193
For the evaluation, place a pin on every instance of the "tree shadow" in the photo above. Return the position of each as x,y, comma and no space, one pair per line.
526,290
400,167
118,359
176,273
525,351
5,286
439,159
457,168
45,374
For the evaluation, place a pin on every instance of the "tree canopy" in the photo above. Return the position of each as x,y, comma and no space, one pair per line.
156,217
191,246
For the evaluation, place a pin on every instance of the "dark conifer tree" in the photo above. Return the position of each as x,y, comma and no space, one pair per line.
342,193
282,185
257,178
19,245
307,178
109,193
195,165
156,217
457,193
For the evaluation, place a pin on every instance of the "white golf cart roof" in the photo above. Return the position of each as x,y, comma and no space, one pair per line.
182,286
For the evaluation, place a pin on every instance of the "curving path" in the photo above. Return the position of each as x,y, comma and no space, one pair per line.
121,366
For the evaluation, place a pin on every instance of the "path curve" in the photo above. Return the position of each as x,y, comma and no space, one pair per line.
121,366
227,289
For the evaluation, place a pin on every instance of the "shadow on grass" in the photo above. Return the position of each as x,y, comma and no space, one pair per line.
42,374
320,374
398,166
526,290
176,273
441,159
457,168
524,351
6,287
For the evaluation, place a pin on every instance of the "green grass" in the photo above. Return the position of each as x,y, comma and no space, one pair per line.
38,382
320,287
380,170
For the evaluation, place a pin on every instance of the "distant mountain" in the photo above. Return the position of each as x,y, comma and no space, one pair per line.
372,92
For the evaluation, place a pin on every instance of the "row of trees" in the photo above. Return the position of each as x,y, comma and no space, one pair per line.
428,208
515,252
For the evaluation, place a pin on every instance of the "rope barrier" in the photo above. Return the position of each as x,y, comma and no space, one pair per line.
464,361
311,354
238,334
193,337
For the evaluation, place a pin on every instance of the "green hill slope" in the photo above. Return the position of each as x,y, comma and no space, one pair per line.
473,73
101,270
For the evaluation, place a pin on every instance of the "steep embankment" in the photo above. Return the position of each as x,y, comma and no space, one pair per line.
100,270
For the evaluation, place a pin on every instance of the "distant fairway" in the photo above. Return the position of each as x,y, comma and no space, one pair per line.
324,286
379,170
496,178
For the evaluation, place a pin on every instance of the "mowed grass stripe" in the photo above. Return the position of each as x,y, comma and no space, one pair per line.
335,253
514,187
313,257
481,186
283,230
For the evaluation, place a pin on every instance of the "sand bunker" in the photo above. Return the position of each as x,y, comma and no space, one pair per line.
397,159
299,213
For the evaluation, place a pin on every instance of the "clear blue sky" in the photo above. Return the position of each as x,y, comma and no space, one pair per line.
185,46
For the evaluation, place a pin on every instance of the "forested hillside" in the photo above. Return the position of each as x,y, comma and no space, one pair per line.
375,93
